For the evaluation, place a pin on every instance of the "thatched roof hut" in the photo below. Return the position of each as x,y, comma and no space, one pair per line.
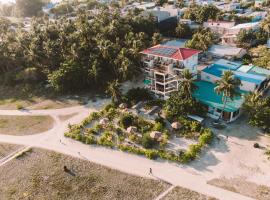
123,106
104,121
132,129
176,125
155,135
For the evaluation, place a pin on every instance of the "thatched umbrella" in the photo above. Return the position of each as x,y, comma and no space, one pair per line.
176,125
123,106
155,134
104,121
132,129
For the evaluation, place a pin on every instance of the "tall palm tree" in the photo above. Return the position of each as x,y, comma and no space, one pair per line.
227,87
187,86
266,25
115,91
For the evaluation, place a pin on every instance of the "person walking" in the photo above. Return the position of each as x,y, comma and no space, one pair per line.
150,171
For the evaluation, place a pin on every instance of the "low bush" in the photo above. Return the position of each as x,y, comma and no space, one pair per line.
206,137
106,139
158,127
135,95
19,107
156,102
90,139
111,113
147,141
126,120
152,154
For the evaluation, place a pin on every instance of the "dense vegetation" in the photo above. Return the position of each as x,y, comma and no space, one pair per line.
68,54
258,109
201,14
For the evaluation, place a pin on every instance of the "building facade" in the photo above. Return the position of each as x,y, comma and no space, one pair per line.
163,67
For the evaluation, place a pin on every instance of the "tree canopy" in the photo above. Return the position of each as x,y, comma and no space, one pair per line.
258,109
84,53
201,14
201,40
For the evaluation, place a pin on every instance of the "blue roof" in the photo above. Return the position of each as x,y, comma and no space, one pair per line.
218,70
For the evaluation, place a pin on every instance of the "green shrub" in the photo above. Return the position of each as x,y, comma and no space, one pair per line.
97,128
106,139
156,102
19,106
126,120
109,106
147,141
135,95
119,131
206,137
95,115
111,113
158,127
90,139
151,154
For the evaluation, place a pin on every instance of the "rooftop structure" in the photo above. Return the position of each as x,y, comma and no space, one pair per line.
252,78
219,27
171,52
180,43
227,51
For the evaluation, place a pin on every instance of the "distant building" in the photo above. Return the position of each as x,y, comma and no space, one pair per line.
228,6
163,13
252,78
225,51
259,3
219,27
231,35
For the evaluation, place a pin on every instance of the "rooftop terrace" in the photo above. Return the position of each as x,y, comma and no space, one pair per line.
244,73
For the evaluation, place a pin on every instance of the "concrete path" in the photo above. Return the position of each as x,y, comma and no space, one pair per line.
54,140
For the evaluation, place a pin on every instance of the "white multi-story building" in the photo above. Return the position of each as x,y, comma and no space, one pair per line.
163,66
219,27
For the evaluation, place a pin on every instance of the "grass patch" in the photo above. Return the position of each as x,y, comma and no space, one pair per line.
6,149
40,175
179,193
28,96
241,186
24,125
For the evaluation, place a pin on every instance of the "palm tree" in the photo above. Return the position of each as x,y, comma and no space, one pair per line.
227,87
187,86
114,90
266,25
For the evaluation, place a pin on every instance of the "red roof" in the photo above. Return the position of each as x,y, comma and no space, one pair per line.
171,52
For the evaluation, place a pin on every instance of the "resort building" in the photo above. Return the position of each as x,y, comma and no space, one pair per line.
230,37
219,27
226,51
163,66
252,79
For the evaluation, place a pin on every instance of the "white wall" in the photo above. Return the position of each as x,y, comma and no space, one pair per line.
191,63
